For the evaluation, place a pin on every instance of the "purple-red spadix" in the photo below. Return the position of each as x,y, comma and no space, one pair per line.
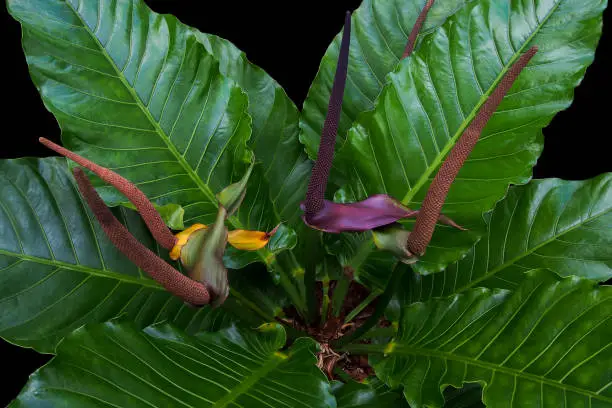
380,210
373,212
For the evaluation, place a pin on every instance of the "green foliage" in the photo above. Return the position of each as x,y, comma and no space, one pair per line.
115,364
370,394
432,96
546,341
508,312
172,214
58,271
145,98
560,225
378,39
140,96
282,177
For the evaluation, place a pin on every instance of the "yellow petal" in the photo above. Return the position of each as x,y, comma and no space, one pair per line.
246,240
181,240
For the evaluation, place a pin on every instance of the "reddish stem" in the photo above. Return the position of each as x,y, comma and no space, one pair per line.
436,195
416,29
175,282
315,194
149,214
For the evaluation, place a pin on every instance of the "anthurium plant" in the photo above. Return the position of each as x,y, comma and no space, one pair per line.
200,241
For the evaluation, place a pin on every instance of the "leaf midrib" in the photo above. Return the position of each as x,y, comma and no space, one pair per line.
451,143
262,253
249,382
425,176
405,350
527,253
103,273
204,188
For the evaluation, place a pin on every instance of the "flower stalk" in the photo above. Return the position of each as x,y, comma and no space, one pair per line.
416,29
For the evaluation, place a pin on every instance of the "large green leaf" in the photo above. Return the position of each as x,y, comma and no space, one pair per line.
137,92
58,270
548,342
356,253
114,364
279,183
371,393
380,30
432,96
565,226
147,97
469,396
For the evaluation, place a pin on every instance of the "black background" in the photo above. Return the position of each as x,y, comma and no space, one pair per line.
288,42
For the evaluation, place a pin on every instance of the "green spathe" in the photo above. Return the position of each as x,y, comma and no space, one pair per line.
232,196
202,255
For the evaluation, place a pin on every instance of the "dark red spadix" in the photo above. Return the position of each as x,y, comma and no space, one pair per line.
414,33
315,195
192,292
375,211
147,211
436,195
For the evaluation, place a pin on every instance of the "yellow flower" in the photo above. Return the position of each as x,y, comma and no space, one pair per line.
182,238
244,240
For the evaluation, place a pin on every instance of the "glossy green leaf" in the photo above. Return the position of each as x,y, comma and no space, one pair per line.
253,288
380,30
565,226
135,91
469,396
172,214
357,254
547,342
58,270
432,96
282,176
114,364
371,393
145,96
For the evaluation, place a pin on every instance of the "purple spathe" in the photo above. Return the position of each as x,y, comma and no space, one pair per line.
373,212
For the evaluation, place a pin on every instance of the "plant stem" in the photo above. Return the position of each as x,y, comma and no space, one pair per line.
340,291
342,287
311,288
297,277
381,306
362,253
325,301
288,284
364,303
313,247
